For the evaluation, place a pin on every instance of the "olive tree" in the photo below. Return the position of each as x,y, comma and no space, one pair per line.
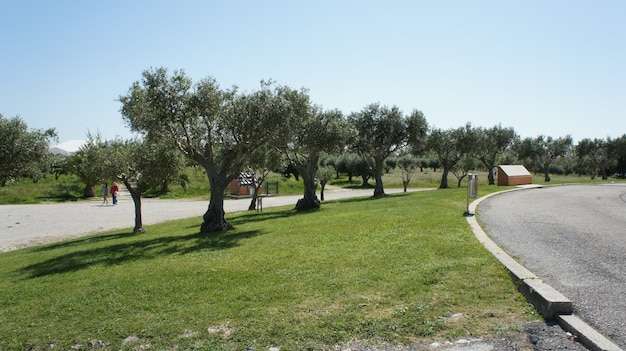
353,165
261,163
381,131
542,151
324,175
490,143
21,148
310,132
90,163
216,128
597,156
462,168
450,146
142,165
408,165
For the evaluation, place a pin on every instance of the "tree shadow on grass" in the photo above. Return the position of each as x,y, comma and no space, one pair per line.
253,216
143,248
123,247
92,239
348,200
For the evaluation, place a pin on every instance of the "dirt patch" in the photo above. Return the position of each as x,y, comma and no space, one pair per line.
536,336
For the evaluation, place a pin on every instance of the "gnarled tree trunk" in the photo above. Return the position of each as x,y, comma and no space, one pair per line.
89,191
310,200
379,190
214,216
444,178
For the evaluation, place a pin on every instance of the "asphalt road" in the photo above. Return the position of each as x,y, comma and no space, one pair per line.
574,238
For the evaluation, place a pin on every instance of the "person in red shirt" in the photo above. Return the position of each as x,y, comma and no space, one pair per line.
114,190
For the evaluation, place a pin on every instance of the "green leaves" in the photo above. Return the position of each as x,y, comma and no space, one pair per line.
20,148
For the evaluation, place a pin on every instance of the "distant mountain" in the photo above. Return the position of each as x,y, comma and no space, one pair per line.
67,147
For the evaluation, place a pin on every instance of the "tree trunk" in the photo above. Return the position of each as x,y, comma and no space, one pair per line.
136,195
138,222
365,181
603,172
214,216
255,196
252,206
379,191
323,185
546,173
490,164
444,178
165,188
405,184
310,200
90,191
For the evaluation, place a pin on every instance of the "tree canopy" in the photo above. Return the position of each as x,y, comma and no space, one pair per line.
450,146
21,148
542,151
381,131
597,156
312,132
217,128
490,143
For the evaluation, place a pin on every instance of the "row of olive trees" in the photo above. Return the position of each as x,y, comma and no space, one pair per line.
148,163
223,129
460,150
226,131
592,157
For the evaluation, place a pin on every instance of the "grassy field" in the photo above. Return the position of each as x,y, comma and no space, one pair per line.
49,189
394,269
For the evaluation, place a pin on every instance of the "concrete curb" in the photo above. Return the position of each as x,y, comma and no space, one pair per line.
551,303
586,334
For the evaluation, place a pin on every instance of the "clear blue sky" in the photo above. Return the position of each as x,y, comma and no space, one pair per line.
542,67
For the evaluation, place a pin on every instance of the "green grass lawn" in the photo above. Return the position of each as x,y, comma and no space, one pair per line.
49,189
393,269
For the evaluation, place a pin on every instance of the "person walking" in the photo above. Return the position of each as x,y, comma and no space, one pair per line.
114,189
105,194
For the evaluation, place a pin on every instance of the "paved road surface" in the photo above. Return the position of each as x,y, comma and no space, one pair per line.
573,237
31,225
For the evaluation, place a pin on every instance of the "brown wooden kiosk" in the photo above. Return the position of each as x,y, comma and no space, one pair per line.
513,175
